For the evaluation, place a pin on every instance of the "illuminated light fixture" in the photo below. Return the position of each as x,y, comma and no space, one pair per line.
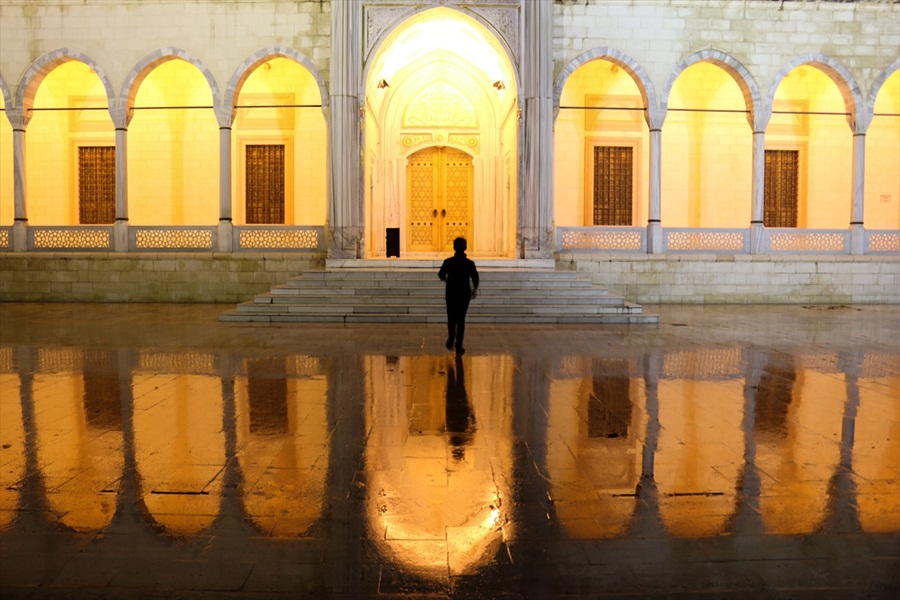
499,85
382,84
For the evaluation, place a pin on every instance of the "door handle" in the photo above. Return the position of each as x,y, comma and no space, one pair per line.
443,212
434,213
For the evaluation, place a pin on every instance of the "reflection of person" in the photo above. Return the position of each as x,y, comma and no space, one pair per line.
457,271
459,418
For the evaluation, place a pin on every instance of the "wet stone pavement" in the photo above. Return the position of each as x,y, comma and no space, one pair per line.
150,451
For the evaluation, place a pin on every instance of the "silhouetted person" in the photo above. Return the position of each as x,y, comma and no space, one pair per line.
457,271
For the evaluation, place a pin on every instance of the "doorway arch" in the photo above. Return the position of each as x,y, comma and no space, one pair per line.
441,79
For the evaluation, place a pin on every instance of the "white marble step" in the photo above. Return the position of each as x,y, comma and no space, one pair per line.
527,294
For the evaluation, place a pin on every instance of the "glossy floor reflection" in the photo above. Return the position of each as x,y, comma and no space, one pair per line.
150,451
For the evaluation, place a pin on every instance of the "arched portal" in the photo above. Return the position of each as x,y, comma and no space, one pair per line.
441,83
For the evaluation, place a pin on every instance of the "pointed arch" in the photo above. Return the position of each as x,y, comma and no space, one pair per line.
837,72
145,65
44,64
246,68
375,44
737,71
631,66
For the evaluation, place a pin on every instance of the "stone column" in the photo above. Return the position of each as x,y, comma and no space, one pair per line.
225,117
345,214
654,221
19,121
535,214
121,117
857,230
757,212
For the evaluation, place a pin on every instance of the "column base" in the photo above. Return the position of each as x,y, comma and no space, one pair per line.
655,238
346,242
857,239
120,236
225,234
20,236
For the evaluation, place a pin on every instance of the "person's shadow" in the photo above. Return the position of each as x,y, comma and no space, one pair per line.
460,420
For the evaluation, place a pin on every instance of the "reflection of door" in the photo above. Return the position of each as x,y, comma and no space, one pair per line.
439,183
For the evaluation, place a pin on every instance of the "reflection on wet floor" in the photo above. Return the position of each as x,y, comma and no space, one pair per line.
155,449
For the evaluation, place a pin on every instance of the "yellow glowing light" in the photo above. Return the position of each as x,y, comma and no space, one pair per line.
435,35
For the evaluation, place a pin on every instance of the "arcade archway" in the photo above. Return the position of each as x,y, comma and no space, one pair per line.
441,85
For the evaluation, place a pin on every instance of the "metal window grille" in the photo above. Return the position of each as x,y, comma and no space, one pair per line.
613,185
265,184
96,185
609,411
781,188
102,397
267,396
774,394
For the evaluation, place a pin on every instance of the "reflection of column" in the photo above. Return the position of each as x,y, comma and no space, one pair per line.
841,511
19,121
747,515
121,117
654,222
531,507
535,231
345,208
857,232
33,492
231,507
757,211
131,512
355,571
647,520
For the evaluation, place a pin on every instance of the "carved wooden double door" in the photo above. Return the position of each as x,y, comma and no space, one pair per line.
439,191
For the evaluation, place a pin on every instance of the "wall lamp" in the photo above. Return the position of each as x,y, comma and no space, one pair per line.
499,85
382,84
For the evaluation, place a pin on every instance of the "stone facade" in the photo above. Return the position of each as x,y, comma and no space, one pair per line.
757,42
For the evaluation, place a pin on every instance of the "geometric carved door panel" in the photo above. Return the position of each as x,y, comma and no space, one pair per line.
439,195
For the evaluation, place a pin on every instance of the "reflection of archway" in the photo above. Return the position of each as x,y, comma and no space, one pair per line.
441,79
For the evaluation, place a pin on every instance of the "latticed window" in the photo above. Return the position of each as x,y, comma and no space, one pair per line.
781,188
267,396
265,184
96,185
609,412
613,185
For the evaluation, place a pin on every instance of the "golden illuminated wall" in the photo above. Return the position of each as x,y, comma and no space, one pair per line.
53,137
277,83
7,198
173,152
707,156
825,143
597,83
882,199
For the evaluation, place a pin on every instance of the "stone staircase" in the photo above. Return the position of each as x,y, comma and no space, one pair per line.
409,291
